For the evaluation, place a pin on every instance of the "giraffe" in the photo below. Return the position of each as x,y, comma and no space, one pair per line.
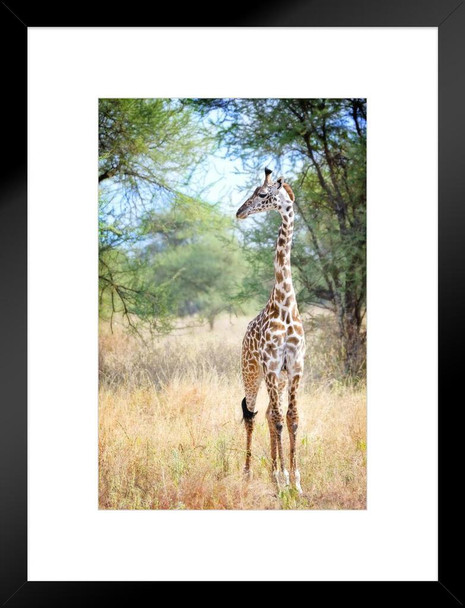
273,347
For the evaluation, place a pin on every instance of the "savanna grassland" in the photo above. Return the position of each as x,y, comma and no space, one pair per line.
170,430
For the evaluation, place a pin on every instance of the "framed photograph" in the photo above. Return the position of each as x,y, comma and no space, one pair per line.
231,251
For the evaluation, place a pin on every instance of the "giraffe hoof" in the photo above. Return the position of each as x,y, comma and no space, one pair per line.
275,476
297,485
281,478
285,476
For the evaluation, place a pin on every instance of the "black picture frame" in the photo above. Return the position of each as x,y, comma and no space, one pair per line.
446,15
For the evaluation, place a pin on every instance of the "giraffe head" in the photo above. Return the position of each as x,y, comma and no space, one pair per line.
269,195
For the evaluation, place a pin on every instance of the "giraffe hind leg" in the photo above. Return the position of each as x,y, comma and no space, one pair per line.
252,379
246,413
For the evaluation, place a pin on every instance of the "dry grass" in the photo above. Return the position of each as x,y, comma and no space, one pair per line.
171,437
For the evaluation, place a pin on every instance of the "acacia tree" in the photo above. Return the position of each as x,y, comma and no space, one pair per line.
321,143
207,275
147,150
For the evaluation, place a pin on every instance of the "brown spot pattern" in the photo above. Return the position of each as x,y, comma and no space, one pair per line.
277,331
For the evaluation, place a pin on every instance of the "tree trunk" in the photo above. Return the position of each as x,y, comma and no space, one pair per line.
352,342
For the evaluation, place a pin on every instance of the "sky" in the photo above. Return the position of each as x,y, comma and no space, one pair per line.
221,180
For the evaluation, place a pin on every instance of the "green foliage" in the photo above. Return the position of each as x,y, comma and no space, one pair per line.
125,293
148,146
147,150
204,268
259,239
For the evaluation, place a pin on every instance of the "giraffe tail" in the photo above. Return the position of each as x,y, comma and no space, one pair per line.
246,413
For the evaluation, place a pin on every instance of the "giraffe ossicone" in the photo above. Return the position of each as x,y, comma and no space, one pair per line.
273,347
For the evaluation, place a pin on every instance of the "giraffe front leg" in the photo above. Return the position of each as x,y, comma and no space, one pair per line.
275,419
273,444
279,425
292,420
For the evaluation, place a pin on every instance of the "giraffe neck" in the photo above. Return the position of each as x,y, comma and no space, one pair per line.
282,258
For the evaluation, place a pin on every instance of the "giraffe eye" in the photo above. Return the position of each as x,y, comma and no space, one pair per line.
262,194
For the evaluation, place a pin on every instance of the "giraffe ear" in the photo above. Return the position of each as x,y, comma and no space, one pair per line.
288,189
280,182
